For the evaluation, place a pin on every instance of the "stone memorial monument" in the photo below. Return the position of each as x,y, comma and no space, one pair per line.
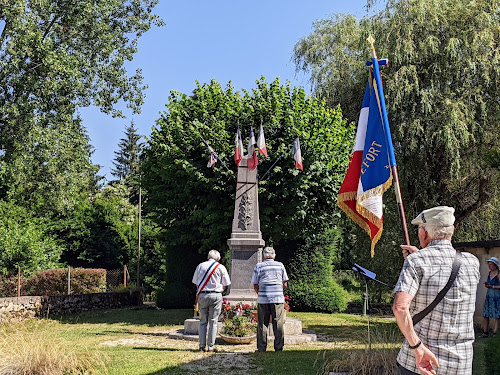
246,241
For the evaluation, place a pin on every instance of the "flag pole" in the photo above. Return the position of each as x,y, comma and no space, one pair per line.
278,159
390,148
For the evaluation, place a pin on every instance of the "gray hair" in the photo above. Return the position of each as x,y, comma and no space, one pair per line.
214,254
269,253
437,232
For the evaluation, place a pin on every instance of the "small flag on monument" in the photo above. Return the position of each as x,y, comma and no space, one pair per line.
261,142
213,155
252,162
369,173
238,151
297,154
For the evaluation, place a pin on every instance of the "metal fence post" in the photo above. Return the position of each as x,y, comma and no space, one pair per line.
19,281
69,281
125,276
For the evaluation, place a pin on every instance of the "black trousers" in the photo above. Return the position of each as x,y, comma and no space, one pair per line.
404,371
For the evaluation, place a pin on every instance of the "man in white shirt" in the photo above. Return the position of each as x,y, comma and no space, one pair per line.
211,279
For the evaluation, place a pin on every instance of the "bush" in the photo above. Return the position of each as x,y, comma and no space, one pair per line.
176,296
492,356
326,297
312,287
53,282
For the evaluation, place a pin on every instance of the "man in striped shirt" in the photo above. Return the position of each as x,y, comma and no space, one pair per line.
269,281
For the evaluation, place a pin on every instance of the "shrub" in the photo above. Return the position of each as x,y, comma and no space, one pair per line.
311,286
492,356
327,296
175,296
53,282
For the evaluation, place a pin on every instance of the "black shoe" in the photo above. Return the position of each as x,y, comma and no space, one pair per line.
202,350
484,335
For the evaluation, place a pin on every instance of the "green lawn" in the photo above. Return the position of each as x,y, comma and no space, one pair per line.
134,341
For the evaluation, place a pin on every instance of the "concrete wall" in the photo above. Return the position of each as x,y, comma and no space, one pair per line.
21,308
483,252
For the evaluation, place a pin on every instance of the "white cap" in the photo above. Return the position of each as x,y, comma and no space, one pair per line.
440,216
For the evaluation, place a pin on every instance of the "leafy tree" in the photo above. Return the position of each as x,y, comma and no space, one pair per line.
195,204
442,91
127,158
25,242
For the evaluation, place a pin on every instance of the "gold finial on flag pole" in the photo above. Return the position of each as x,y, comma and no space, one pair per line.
371,40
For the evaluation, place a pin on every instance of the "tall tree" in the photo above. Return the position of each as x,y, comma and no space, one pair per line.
442,91
127,158
195,204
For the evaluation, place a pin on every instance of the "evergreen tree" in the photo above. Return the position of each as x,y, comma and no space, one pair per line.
128,157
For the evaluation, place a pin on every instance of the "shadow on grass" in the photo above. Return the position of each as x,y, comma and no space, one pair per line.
291,361
136,316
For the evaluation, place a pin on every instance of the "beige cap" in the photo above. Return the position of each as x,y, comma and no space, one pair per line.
441,215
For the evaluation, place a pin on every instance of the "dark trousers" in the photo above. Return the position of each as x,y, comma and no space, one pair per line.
404,371
265,311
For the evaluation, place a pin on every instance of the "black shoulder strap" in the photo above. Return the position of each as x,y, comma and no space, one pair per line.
454,272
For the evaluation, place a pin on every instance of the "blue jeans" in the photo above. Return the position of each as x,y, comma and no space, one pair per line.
210,305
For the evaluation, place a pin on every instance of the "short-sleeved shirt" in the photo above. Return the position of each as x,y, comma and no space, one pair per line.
270,276
448,330
219,279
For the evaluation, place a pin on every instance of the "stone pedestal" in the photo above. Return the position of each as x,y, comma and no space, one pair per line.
246,241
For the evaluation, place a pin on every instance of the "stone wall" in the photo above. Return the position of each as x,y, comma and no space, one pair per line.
21,308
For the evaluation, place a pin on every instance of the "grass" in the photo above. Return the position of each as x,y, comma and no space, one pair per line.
134,341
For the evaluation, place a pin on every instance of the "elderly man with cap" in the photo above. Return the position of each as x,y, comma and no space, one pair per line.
269,281
441,342
211,279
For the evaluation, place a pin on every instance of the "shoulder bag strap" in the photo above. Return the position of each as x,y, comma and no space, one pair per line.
454,272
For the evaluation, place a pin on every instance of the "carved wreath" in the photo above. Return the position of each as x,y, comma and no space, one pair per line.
246,212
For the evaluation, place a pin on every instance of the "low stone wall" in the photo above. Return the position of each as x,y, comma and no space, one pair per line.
21,308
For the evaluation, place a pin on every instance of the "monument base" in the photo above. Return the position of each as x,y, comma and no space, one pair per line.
293,332
241,295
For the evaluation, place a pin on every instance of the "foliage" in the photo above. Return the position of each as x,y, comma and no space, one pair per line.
195,204
239,326
311,285
175,295
25,242
239,309
127,158
53,282
492,356
442,92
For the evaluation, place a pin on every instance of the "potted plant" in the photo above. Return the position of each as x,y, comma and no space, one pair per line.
238,330
238,327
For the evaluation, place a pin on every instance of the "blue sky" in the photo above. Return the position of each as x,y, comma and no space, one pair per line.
236,41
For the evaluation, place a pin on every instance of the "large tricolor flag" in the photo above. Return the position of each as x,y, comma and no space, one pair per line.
252,162
369,173
261,142
238,151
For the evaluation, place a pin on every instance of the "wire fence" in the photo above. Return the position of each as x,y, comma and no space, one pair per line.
63,281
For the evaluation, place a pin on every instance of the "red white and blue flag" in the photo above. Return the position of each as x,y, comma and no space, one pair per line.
213,155
238,151
297,154
252,161
261,142
369,173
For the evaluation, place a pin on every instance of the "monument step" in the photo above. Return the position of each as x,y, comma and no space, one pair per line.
291,327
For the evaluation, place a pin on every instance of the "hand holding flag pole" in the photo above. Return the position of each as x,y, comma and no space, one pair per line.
390,148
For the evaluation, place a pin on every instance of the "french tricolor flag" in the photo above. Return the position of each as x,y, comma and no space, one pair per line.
252,162
369,174
238,151
261,142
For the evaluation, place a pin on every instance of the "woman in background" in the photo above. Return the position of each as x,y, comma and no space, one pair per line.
492,302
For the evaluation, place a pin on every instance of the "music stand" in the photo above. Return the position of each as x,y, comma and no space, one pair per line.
368,275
